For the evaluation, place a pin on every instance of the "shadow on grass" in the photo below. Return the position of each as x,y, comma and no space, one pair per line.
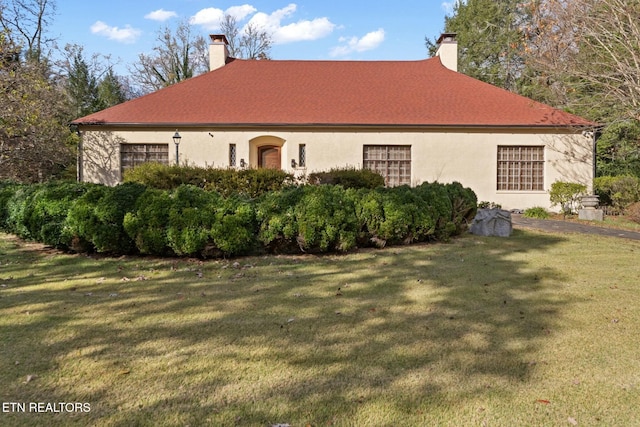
393,334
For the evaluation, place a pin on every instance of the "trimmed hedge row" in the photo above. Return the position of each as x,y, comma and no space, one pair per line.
228,182
348,177
190,221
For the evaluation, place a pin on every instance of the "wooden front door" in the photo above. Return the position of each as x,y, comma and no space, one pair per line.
269,157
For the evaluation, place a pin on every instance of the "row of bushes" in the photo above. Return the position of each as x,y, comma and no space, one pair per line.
248,182
348,177
190,221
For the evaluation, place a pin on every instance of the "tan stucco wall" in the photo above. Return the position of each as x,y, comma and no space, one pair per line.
466,156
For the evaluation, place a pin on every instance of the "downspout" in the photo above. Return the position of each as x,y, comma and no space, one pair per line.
594,143
79,163
595,159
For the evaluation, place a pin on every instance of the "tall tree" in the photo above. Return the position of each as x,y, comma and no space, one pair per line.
592,47
25,21
82,85
588,52
90,83
111,90
252,42
178,56
490,35
35,143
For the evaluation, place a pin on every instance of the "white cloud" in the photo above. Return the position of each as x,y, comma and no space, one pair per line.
368,42
314,29
241,12
160,15
122,35
303,30
211,17
271,23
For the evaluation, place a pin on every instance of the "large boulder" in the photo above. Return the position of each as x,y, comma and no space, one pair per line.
492,222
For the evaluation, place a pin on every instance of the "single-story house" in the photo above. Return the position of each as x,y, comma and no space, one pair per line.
413,121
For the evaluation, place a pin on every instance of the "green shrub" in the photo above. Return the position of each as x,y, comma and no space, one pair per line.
147,223
348,177
250,183
536,212
463,206
430,211
95,220
227,182
437,198
191,216
567,195
326,219
603,187
395,215
310,218
617,191
165,177
45,214
234,230
276,218
17,209
7,190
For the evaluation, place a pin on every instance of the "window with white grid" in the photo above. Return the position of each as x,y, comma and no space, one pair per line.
232,155
302,155
132,155
393,162
521,168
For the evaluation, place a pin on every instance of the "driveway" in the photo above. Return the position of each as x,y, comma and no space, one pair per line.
557,226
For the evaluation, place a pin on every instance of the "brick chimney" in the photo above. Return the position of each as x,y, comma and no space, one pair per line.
218,51
448,50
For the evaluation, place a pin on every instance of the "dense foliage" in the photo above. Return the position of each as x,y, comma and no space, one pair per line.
492,37
567,195
248,182
191,221
581,56
619,192
348,177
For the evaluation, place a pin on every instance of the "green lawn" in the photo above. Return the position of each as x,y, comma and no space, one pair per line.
537,329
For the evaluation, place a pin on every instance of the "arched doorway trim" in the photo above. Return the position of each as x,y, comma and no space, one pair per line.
266,152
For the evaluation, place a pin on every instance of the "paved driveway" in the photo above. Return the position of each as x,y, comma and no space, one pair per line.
520,221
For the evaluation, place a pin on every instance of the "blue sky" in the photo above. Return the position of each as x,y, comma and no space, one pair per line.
329,29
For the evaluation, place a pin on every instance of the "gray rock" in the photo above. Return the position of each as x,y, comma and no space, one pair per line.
492,222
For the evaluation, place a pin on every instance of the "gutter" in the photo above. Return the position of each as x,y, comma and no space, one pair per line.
344,126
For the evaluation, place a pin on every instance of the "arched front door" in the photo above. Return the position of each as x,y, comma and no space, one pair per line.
269,157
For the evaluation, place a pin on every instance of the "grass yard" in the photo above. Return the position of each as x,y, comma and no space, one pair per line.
538,329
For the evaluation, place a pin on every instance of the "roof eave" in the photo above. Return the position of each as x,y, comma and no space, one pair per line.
586,125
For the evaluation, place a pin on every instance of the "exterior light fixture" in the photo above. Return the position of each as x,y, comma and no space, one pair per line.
176,140
242,163
293,163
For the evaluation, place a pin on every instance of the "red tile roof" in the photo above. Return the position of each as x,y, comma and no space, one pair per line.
334,93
